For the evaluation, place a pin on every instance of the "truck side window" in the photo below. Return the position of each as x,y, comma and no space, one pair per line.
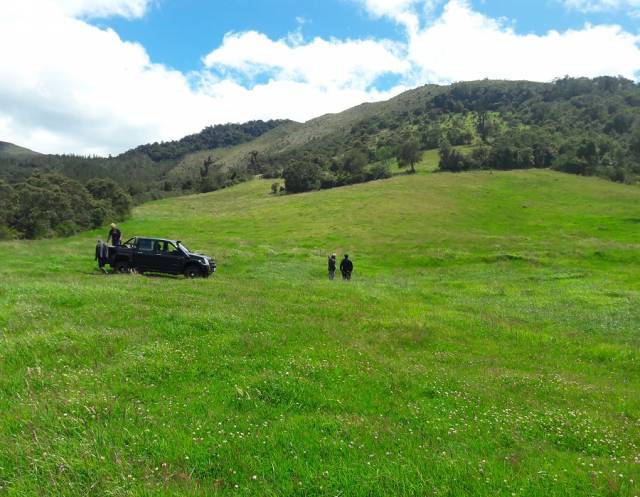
145,244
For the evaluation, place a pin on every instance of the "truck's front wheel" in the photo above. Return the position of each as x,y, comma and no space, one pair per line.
192,272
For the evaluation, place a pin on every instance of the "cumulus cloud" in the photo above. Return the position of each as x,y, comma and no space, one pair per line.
403,12
463,44
82,8
68,86
601,5
72,87
321,63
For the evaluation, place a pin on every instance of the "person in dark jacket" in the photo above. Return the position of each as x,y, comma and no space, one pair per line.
346,268
102,255
114,235
332,266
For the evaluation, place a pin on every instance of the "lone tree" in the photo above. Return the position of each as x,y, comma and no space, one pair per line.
253,162
409,154
204,170
484,124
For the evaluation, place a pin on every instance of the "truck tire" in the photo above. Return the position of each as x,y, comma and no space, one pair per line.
192,272
122,267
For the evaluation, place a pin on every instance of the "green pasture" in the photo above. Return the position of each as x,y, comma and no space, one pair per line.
488,345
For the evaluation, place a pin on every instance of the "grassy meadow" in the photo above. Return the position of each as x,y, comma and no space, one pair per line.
488,345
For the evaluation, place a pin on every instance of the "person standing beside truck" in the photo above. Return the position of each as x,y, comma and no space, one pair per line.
114,235
102,255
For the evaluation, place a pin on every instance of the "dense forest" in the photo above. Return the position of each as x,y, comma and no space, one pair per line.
576,125
50,204
58,195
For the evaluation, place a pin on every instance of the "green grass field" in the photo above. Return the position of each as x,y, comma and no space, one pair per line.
487,346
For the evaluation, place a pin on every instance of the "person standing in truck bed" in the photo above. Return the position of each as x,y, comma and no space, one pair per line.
114,235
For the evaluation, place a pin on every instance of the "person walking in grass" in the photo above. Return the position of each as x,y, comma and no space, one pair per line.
346,268
114,235
332,266
102,255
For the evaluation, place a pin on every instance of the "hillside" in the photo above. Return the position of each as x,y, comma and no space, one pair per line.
487,346
142,170
9,150
589,127
583,126
293,137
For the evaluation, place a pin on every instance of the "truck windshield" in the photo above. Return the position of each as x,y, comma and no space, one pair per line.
185,249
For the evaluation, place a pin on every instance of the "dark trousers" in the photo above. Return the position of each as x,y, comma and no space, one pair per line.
346,275
332,274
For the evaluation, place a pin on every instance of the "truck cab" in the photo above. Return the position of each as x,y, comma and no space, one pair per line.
159,255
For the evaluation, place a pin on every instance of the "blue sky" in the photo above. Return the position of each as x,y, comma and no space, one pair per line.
102,76
179,32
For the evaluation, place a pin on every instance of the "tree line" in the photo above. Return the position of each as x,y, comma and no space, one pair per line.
50,204
211,137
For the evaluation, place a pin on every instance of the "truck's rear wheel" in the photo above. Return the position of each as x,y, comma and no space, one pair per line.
192,272
122,267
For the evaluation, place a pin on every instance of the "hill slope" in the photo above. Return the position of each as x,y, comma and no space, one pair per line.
583,126
9,150
487,346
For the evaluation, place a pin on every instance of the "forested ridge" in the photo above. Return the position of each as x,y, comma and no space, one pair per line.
142,170
581,126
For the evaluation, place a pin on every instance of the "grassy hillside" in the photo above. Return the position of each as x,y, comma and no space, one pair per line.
294,136
487,346
9,150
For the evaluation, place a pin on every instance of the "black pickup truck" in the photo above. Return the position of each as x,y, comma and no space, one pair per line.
157,255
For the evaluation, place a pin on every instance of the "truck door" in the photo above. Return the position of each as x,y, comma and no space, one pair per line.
144,256
172,258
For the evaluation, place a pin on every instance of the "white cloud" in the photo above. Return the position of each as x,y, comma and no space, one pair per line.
601,5
98,8
320,63
403,12
71,87
68,86
463,44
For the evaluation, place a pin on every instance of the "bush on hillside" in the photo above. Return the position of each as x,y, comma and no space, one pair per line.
112,195
49,204
302,177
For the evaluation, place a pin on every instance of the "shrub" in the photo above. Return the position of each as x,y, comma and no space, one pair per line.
302,177
110,192
379,170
